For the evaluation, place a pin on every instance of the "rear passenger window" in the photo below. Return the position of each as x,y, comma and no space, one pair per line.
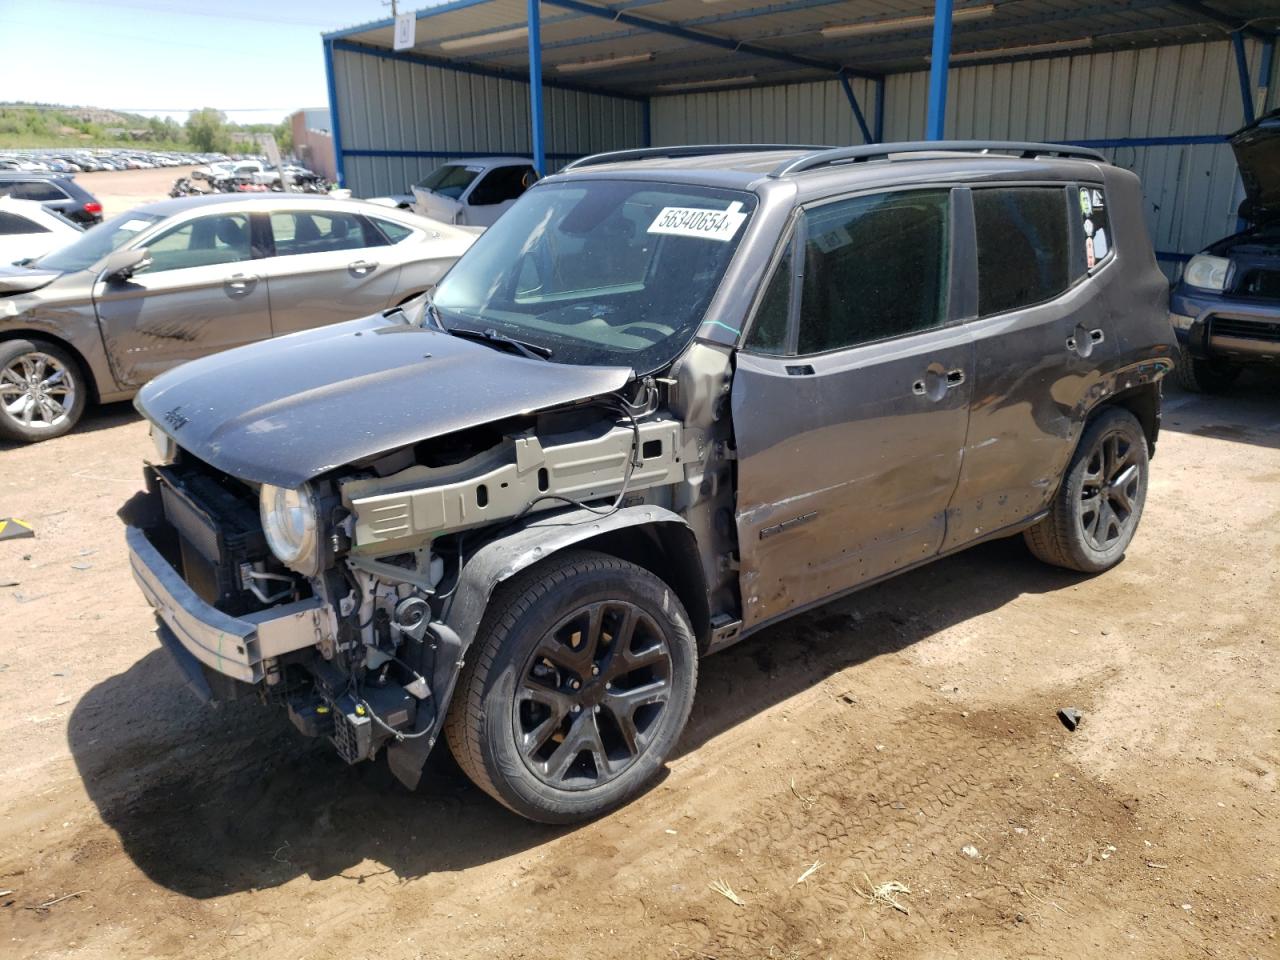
769,330
875,267
321,231
40,191
395,232
1024,241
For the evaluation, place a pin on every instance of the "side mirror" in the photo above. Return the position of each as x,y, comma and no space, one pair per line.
121,264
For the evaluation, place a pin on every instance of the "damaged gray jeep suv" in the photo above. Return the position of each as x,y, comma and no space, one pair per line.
671,397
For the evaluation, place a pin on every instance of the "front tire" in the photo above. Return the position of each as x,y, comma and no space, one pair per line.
576,688
1096,510
43,391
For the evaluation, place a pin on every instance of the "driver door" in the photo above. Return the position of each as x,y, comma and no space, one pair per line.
202,293
851,402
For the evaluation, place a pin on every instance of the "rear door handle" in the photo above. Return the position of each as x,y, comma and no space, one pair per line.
954,378
361,267
1096,336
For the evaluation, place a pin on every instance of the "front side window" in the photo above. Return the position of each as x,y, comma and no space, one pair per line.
875,267
451,180
315,231
769,327
1024,246
201,242
501,185
11,224
600,272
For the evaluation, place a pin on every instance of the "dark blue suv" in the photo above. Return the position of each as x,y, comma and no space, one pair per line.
1226,309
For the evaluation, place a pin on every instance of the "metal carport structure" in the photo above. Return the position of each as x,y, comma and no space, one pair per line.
1158,84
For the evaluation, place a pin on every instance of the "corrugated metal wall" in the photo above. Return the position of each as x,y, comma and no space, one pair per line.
400,106
1188,90
1191,90
794,113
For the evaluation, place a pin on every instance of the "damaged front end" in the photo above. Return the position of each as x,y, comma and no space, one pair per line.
350,599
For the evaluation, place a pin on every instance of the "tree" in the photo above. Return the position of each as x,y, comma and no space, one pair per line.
207,131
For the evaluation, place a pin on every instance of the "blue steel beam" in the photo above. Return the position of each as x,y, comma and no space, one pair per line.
1242,68
857,110
535,87
335,125
938,67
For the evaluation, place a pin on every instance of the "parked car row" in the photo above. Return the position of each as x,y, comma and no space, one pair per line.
86,160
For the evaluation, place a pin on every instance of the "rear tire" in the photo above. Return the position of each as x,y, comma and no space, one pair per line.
1096,510
576,688
1204,376
43,390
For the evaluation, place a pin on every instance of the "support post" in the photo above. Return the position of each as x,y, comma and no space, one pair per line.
880,85
535,87
335,128
938,66
1242,68
857,110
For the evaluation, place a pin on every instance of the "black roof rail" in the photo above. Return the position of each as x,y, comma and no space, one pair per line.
670,153
883,151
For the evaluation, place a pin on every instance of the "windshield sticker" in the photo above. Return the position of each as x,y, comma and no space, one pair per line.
719,225
133,226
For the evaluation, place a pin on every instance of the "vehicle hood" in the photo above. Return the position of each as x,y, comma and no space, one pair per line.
1257,150
25,279
287,410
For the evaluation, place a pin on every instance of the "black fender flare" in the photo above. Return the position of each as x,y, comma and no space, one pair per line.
543,536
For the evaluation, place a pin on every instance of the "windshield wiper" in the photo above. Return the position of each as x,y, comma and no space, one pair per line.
533,351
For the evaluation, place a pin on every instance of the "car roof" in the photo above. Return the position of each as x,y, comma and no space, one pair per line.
489,162
761,169
268,198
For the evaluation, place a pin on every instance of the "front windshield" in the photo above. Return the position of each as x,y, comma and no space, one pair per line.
97,242
450,181
603,272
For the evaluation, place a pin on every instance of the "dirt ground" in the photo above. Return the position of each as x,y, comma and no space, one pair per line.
122,190
906,734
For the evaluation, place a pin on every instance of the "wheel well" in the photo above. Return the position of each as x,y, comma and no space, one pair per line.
85,371
670,552
1143,401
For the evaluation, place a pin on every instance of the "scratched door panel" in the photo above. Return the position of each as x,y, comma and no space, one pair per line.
154,321
844,475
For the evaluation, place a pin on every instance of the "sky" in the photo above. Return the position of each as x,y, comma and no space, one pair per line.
256,61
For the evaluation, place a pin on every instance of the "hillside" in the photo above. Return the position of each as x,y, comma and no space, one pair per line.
53,125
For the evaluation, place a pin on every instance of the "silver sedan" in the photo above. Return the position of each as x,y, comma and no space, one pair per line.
180,279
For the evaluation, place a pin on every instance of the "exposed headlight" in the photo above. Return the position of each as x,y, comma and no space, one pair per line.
166,448
290,521
1207,273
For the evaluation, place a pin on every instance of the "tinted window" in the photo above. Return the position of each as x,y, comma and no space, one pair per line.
314,231
395,232
875,267
12,224
769,330
501,185
40,190
201,242
1023,247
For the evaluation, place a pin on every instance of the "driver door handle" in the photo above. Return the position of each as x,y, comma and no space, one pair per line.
240,282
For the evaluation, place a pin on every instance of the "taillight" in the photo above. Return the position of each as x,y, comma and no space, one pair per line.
93,207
